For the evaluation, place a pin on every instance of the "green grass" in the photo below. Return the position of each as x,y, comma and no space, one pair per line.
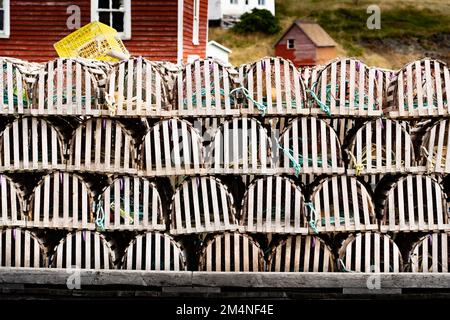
410,23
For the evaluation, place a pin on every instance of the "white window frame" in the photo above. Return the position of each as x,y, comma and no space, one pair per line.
293,44
126,34
234,2
5,33
261,2
196,22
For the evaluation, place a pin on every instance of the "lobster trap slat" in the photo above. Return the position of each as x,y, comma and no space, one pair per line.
137,87
204,88
273,86
15,96
83,250
435,148
69,87
21,248
273,205
308,146
341,204
240,146
130,203
419,89
11,205
31,144
200,205
431,254
301,254
346,87
370,252
154,251
172,147
61,201
231,252
102,145
414,203
381,146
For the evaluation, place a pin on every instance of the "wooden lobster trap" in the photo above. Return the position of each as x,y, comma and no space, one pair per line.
69,87
381,146
240,146
31,144
102,145
301,254
200,205
130,203
204,88
172,147
11,204
310,75
273,205
273,86
421,88
431,253
343,127
435,148
414,203
370,252
308,146
15,96
231,252
346,87
21,248
154,251
341,204
137,87
62,201
83,250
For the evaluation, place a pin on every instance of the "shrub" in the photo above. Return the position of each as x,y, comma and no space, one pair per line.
259,20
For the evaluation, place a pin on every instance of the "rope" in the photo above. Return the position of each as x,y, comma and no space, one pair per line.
100,213
295,163
313,214
322,106
343,266
261,107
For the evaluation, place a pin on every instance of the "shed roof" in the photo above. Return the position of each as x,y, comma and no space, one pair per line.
314,32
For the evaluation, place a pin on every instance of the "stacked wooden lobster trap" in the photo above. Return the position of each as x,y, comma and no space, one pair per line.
144,165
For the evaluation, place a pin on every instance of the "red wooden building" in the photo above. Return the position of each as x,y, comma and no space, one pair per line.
171,30
305,44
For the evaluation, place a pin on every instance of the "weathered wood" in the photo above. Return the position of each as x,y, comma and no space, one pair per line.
414,203
273,86
83,250
308,146
234,252
21,248
68,87
370,252
301,254
273,205
63,201
31,144
346,87
204,88
153,251
11,204
102,145
431,253
341,204
202,204
130,203
14,92
137,87
171,147
419,89
240,146
381,146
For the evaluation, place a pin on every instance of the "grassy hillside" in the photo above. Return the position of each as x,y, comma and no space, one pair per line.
409,29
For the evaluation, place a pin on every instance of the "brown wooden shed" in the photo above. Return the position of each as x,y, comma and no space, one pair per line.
305,43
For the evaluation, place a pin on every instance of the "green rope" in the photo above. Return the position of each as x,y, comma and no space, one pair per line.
100,216
322,106
312,217
343,266
295,163
203,94
261,106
